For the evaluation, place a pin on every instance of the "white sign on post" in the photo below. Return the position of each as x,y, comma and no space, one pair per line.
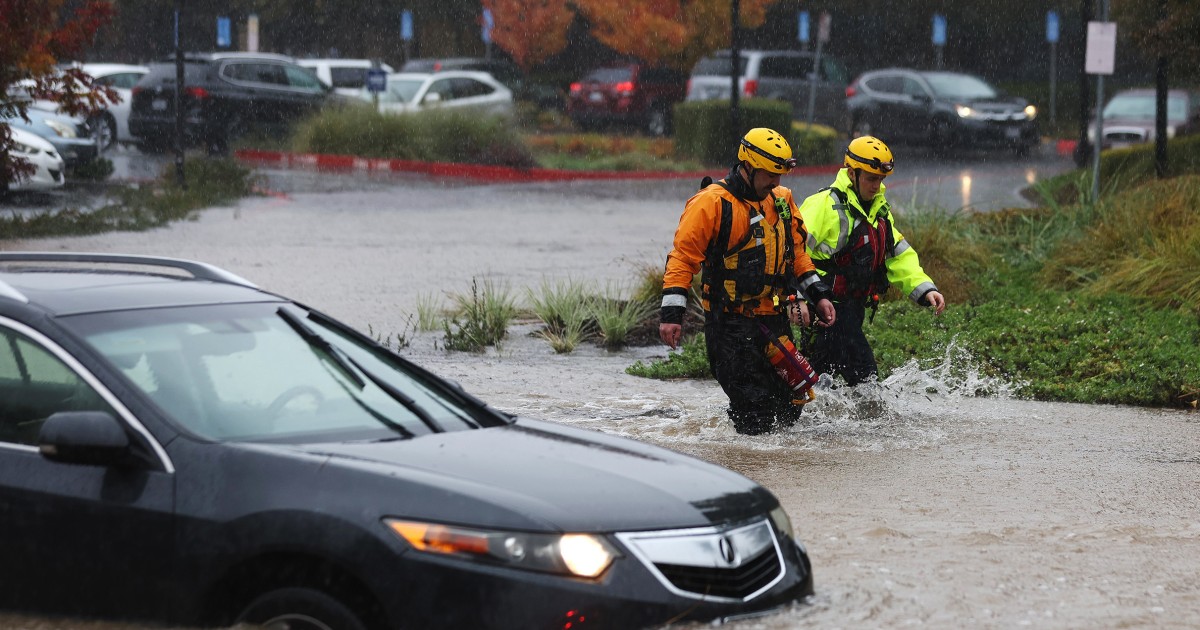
1101,47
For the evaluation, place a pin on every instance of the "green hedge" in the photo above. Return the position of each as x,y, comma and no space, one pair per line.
702,128
702,131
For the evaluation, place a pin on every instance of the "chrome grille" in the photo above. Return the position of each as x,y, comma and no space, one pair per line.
734,563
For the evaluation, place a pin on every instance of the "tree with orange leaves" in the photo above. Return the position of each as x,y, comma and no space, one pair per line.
668,32
34,36
530,31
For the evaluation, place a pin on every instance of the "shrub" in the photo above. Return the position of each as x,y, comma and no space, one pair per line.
816,144
440,135
703,128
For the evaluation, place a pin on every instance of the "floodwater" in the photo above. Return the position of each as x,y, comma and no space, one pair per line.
934,499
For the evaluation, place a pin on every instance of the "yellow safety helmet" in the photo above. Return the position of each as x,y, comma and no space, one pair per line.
766,149
870,154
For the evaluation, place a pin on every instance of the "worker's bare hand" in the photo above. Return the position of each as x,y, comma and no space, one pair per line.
671,334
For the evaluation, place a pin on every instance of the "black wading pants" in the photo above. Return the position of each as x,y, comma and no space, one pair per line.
759,399
842,348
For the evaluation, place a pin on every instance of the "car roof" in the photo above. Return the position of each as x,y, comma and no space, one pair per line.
345,63
444,74
72,283
102,69
218,56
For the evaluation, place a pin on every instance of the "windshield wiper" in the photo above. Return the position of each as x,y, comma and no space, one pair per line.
352,369
342,362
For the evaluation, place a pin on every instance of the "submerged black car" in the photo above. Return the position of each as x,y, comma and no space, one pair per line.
944,109
179,446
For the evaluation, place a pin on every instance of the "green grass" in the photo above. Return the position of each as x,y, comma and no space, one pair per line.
481,318
210,182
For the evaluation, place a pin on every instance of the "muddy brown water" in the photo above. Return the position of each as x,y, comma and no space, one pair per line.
935,499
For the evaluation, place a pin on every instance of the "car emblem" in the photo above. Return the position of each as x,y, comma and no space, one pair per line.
728,553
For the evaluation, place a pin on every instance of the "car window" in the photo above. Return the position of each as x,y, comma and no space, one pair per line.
888,84
302,79
913,87
347,77
959,86
609,75
35,384
834,70
782,67
466,88
442,87
718,66
1142,106
245,372
401,90
265,73
120,80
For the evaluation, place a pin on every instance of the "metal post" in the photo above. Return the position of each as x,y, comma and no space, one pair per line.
179,176
1083,148
1160,105
735,64
1099,120
812,85
1053,86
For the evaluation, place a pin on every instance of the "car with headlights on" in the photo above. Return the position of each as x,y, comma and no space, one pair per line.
180,446
47,165
944,109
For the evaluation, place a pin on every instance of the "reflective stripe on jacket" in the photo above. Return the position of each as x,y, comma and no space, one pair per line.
757,232
830,224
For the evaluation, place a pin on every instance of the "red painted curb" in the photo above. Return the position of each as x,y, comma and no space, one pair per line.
326,162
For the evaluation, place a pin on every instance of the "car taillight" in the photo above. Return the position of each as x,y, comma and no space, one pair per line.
136,89
689,87
851,91
624,86
576,87
750,87
196,92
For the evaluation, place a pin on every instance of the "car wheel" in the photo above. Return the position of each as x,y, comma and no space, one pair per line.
297,608
104,130
859,128
657,124
942,136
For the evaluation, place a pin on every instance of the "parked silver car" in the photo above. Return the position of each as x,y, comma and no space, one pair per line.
1129,117
778,74
456,89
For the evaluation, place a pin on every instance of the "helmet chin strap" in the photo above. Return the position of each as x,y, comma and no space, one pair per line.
752,194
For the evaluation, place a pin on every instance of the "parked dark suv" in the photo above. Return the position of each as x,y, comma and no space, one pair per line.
224,96
180,446
631,94
942,109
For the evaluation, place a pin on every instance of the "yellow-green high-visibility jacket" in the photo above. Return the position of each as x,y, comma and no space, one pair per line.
833,217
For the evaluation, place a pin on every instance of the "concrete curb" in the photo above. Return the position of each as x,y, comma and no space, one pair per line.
350,163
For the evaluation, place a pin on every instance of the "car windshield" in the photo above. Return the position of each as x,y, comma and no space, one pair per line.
401,90
1141,107
609,75
959,86
270,372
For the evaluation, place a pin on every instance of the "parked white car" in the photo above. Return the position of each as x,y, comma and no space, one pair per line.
346,76
112,124
467,90
47,163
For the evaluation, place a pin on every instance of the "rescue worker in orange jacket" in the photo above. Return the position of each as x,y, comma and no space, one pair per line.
854,242
745,236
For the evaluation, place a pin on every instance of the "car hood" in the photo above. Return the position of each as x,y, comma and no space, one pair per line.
1001,105
548,476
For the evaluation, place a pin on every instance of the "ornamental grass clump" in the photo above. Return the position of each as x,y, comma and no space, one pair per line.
481,319
565,310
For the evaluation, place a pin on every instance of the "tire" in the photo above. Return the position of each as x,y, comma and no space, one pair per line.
658,124
860,127
104,128
297,608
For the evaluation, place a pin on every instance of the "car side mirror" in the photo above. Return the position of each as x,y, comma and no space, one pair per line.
91,438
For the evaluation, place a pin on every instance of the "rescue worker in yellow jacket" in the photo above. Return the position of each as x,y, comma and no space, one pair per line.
859,252
744,235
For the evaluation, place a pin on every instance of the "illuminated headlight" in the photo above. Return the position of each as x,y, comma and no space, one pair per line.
782,521
581,555
964,111
65,131
24,149
1030,112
